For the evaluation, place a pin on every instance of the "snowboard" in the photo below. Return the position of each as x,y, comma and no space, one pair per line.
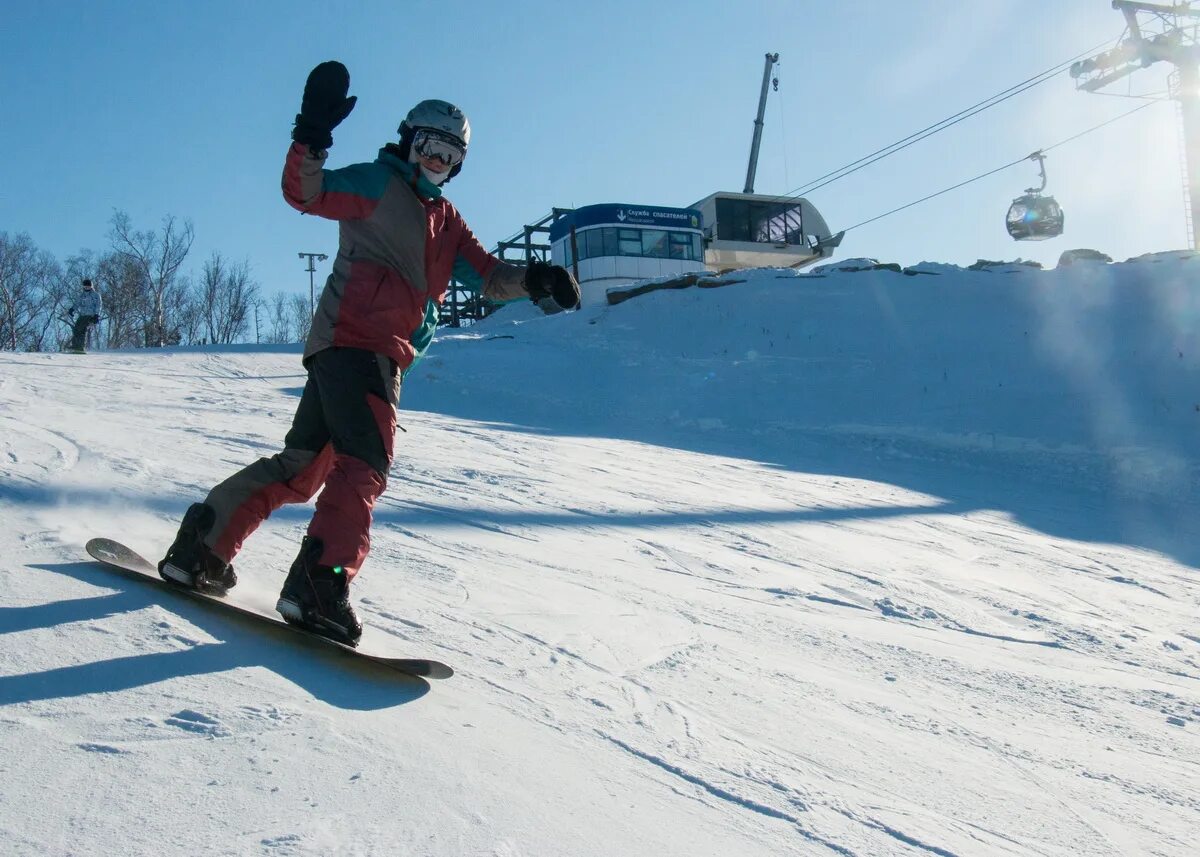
116,555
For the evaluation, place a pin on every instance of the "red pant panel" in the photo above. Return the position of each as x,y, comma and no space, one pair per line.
343,518
268,496
341,437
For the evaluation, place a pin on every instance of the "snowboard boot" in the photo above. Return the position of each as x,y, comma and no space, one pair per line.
317,597
190,562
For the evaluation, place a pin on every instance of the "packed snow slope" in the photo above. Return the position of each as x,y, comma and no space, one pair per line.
843,563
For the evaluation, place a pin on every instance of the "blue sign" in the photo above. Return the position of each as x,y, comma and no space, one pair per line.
615,214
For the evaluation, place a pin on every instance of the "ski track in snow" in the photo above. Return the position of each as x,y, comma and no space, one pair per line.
707,653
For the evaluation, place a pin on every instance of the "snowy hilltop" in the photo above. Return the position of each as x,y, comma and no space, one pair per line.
857,561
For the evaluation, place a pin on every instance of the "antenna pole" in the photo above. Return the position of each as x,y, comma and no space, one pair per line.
758,124
319,257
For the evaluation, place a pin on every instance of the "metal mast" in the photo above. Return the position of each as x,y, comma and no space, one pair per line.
312,269
1161,34
758,124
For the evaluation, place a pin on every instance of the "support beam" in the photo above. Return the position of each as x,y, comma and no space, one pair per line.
1169,35
1189,102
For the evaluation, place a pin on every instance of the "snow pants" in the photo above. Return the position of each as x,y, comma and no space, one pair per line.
341,438
80,329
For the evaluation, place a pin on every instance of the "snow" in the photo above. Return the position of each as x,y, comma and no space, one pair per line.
862,563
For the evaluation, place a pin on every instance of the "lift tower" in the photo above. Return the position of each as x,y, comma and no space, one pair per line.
1159,33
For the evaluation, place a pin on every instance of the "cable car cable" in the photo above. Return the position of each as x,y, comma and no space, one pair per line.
1102,124
929,131
782,129
1001,169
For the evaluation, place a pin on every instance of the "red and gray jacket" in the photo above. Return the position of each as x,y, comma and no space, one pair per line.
400,243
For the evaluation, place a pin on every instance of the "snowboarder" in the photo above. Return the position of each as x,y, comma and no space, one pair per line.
86,312
400,242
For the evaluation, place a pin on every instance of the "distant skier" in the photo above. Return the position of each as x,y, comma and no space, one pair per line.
86,312
400,241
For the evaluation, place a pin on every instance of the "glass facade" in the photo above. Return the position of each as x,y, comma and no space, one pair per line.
645,243
763,222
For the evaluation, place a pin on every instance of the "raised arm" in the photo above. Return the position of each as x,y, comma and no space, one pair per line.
345,194
350,193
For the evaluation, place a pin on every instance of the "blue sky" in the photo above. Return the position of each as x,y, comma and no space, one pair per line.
167,107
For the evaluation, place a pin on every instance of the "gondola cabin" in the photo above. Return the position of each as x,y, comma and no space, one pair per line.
1034,217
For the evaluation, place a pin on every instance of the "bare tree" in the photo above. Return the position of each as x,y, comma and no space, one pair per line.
212,282
159,256
287,318
48,276
185,309
301,316
123,287
279,326
27,275
227,296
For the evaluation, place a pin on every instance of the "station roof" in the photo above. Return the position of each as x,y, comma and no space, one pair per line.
622,214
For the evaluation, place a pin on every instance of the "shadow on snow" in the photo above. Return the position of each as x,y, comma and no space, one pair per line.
328,675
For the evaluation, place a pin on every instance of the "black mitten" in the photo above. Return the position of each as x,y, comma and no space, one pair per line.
543,281
324,106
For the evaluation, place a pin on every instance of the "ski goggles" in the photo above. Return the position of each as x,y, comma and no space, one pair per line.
434,144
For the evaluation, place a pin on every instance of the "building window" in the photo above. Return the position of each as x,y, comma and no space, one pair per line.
611,243
758,221
654,243
781,226
680,245
595,244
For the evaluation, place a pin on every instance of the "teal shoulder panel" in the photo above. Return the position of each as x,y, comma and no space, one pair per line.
466,275
423,335
366,180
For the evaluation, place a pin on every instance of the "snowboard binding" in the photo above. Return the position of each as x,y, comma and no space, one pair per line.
190,562
317,597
